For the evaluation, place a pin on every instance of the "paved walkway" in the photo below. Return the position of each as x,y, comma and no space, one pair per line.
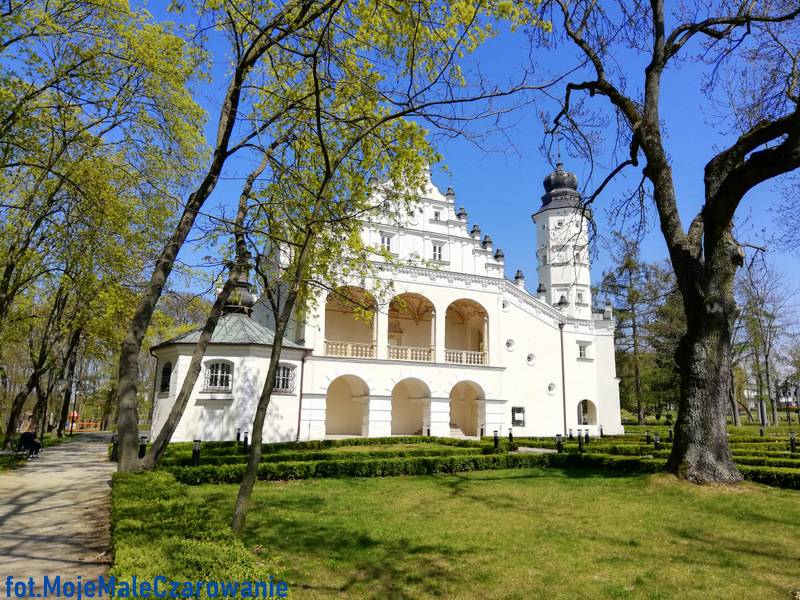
54,512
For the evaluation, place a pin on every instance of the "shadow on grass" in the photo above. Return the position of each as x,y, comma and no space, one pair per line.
365,564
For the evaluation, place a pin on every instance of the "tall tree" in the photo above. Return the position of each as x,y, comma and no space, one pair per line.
753,45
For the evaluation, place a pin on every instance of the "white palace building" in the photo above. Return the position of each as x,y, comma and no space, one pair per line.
459,350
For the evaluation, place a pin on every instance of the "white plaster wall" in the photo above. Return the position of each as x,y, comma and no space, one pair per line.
215,416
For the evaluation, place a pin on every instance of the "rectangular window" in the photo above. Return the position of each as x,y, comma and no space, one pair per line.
518,416
583,350
438,252
386,242
437,216
579,299
284,379
218,376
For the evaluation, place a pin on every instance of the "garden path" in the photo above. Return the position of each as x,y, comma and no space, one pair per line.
54,513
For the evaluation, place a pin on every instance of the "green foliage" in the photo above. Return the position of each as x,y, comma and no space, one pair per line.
158,529
383,467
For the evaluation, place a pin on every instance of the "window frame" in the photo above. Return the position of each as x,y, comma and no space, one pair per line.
209,374
387,241
517,422
440,246
290,371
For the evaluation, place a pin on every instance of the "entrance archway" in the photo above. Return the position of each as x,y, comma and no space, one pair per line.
587,413
465,408
345,404
408,407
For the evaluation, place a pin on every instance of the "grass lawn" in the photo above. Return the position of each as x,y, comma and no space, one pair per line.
523,534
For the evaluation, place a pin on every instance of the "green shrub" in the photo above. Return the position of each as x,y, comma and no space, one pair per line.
185,459
157,528
418,465
607,462
774,476
766,461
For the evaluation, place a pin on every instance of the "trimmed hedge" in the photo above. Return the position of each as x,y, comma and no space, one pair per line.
774,476
185,459
423,465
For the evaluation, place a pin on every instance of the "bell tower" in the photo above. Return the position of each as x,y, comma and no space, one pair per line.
562,249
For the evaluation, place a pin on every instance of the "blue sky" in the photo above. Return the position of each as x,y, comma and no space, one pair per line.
501,187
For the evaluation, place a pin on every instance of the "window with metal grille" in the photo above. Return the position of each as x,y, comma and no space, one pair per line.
219,376
284,379
518,416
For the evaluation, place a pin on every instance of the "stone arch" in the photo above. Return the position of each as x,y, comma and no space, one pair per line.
409,398
587,413
350,322
465,407
346,401
411,327
466,332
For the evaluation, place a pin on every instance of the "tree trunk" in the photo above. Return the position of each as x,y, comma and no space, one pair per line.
773,400
251,471
16,408
72,360
734,406
700,452
163,437
637,374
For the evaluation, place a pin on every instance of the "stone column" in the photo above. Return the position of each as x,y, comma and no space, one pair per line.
437,416
382,332
377,417
439,327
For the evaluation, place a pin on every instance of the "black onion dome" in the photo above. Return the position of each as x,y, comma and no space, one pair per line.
561,189
560,180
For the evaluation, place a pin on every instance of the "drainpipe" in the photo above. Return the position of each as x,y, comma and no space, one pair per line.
306,352
563,378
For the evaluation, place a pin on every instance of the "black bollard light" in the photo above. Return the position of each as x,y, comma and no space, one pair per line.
570,435
580,442
481,432
429,432
586,435
669,435
238,435
510,438
142,446
496,440
114,448
657,441
246,444
792,442
646,437
761,432
601,431
196,454
560,443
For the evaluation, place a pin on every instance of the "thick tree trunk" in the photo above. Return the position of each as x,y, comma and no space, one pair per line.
700,452
16,408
